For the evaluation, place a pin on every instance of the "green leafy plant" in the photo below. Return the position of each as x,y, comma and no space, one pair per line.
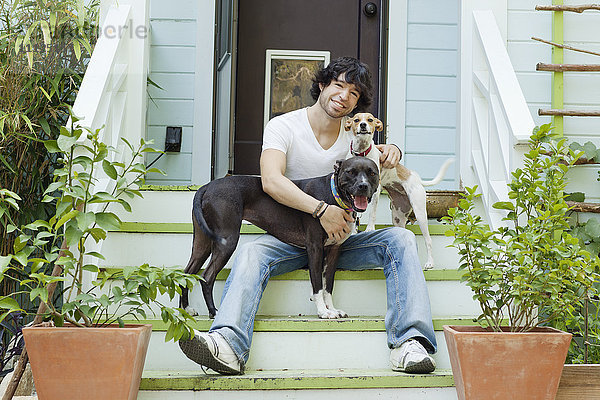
44,49
83,215
532,270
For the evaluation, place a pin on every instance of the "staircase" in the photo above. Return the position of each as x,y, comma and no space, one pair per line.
294,354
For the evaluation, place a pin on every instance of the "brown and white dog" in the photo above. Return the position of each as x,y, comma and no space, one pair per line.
405,187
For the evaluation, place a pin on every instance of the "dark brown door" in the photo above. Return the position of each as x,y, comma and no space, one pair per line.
342,27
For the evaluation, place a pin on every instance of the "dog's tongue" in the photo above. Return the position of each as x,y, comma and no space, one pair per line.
361,202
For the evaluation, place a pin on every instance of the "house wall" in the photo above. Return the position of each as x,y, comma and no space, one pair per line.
431,86
183,69
580,89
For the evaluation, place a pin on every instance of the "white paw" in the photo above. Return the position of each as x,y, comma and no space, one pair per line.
370,228
190,310
340,313
328,314
428,265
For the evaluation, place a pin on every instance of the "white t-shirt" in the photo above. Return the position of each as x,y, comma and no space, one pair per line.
291,133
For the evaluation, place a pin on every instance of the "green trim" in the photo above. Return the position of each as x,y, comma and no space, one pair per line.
184,227
309,324
293,380
340,275
557,77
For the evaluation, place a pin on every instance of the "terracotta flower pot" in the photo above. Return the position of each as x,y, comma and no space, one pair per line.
87,363
490,365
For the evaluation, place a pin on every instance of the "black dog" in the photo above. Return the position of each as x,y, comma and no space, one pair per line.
220,206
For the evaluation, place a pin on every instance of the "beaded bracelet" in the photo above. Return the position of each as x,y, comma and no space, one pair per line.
322,212
319,206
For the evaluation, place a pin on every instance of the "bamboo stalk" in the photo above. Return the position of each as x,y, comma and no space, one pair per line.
567,67
565,46
569,113
577,9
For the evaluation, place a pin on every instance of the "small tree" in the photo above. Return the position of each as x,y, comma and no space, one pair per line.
531,271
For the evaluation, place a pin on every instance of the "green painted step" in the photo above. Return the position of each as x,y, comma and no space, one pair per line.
309,323
184,227
343,275
293,380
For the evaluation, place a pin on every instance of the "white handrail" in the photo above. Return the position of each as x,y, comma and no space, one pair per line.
113,90
113,94
495,121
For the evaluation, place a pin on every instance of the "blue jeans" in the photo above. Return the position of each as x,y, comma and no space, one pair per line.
395,249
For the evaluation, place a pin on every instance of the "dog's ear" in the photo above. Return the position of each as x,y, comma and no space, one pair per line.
348,124
378,125
337,166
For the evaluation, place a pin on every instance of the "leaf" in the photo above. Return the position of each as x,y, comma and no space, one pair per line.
52,146
108,221
53,187
91,268
65,142
46,34
67,217
590,150
4,262
40,292
109,169
592,228
95,254
77,48
98,234
43,122
27,121
504,205
86,220
125,205
72,234
8,303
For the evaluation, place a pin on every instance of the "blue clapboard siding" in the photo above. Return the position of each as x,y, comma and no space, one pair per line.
172,67
431,88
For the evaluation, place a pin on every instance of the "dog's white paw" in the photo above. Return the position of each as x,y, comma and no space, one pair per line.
190,310
428,265
328,314
340,313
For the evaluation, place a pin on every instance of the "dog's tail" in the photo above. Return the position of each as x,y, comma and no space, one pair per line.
440,175
199,217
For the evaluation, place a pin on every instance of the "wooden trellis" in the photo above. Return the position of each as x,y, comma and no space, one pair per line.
558,67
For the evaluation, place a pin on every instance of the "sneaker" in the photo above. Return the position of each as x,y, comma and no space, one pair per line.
212,351
411,357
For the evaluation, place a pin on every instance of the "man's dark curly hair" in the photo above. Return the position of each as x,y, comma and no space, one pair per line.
357,73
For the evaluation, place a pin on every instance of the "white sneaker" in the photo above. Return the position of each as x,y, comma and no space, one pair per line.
411,357
212,351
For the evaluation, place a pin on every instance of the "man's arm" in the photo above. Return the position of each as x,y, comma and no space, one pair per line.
284,191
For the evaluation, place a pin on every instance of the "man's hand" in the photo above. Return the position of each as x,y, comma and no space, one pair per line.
390,155
335,222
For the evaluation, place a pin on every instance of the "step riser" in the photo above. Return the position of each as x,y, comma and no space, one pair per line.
170,249
357,298
297,350
177,207
337,394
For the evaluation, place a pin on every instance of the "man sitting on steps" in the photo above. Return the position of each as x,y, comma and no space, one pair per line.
304,144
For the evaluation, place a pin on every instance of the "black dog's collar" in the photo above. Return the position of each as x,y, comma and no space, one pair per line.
337,197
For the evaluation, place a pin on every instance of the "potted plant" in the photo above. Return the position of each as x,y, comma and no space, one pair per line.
523,275
68,361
